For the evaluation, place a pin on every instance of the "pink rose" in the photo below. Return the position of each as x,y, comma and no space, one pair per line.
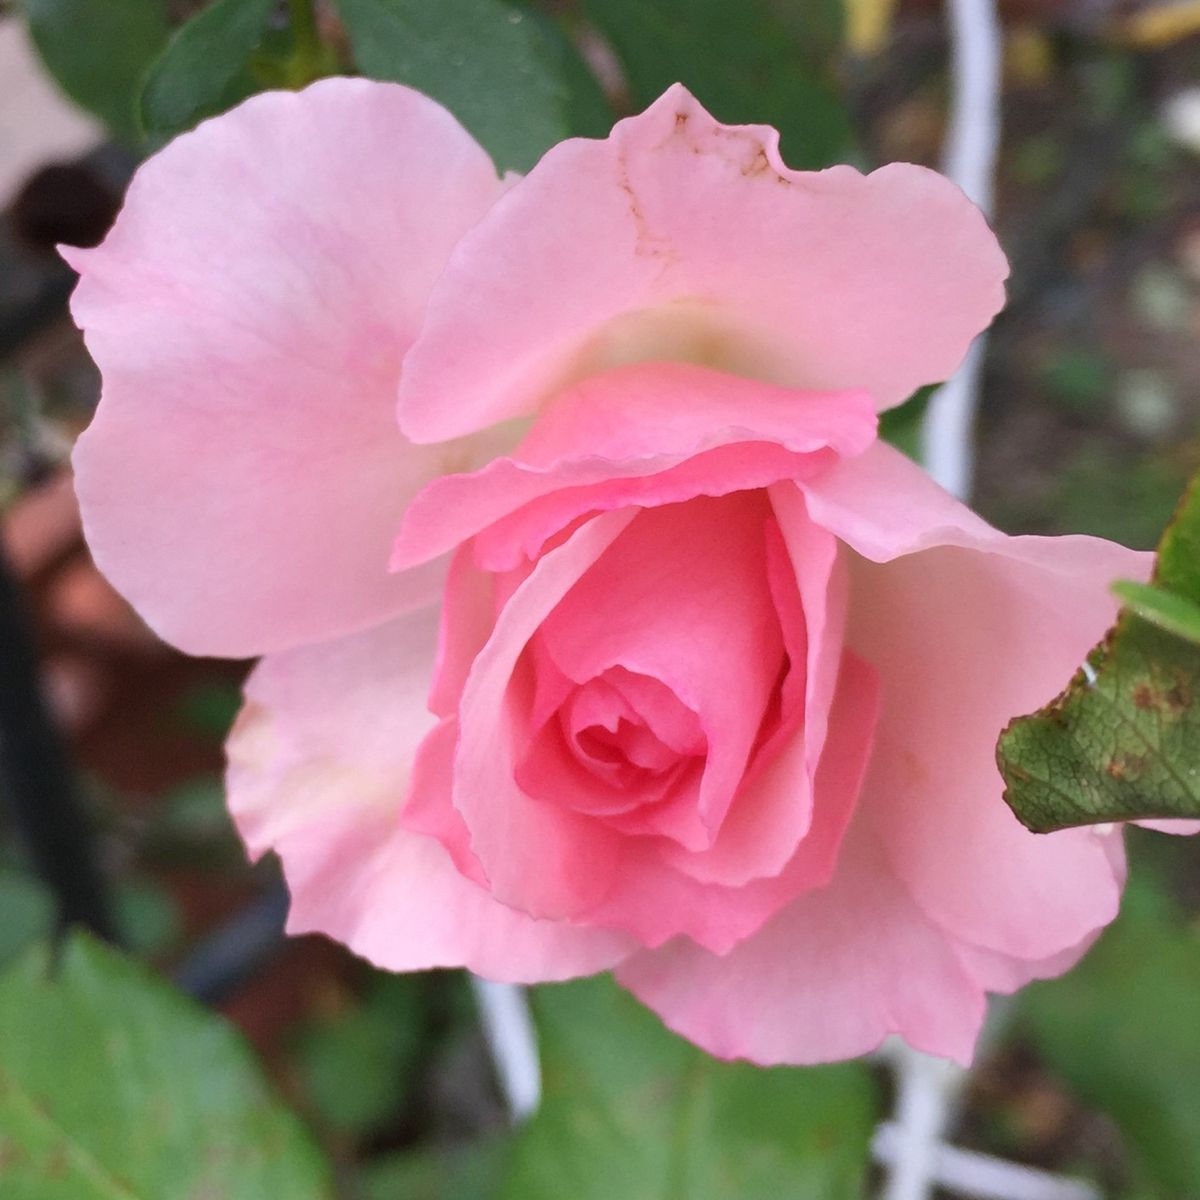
712,690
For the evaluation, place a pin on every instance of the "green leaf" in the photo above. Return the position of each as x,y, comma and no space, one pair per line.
630,1110
753,61
902,425
1121,1029
587,110
204,68
98,51
27,912
1175,614
209,709
148,919
1122,743
356,1065
488,63
469,1172
113,1086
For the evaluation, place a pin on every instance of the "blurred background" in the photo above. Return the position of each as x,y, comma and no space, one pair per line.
1089,422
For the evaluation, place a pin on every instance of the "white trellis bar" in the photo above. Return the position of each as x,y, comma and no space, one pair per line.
512,1042
980,1176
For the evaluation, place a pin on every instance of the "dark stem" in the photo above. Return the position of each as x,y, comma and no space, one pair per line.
37,780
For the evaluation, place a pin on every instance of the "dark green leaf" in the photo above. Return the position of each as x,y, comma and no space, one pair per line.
204,70
210,708
630,1110
1123,741
488,63
355,1065
1122,1031
754,61
113,1086
902,425
587,110
99,50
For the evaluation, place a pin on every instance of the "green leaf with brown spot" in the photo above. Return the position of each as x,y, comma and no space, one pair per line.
114,1086
1122,743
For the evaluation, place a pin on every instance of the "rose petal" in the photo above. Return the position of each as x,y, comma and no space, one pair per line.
678,238
608,441
655,901
774,806
543,859
244,477
998,973
829,977
322,784
1179,827
682,597
969,628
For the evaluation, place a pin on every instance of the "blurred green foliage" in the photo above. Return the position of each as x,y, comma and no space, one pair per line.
28,912
99,51
204,69
489,63
1123,1030
631,1110
756,61
356,1064
113,1084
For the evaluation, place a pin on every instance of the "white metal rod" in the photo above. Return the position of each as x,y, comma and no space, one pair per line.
969,159
512,1039
980,1176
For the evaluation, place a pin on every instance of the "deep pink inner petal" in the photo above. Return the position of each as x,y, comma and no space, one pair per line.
602,753
674,645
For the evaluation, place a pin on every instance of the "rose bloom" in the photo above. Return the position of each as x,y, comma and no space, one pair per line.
599,630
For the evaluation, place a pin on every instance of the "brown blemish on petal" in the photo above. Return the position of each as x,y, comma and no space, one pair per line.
758,165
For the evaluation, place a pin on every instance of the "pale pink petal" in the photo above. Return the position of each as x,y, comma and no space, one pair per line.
395,898
428,808
244,476
543,859
969,628
681,239
468,614
321,782
1180,828
679,409
629,424
995,972
738,467
888,507
829,977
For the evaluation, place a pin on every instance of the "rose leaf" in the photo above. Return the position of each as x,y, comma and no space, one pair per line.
1122,743
113,1084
